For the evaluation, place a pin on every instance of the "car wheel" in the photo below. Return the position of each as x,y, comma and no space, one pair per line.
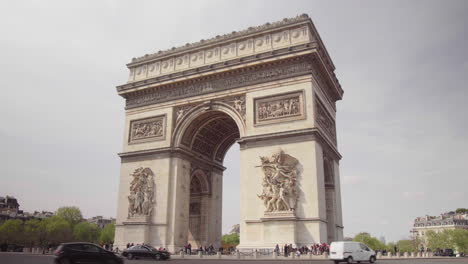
157,257
350,260
372,259
129,256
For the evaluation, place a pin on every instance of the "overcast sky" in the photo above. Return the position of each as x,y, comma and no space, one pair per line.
402,124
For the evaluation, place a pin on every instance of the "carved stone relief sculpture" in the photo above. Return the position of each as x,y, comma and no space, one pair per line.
237,102
279,182
279,108
140,200
325,121
181,111
147,129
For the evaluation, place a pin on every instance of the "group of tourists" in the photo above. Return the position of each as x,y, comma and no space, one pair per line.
315,249
206,250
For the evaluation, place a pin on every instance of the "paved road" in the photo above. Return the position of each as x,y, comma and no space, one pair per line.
18,258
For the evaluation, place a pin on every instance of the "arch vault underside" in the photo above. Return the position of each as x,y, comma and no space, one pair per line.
271,89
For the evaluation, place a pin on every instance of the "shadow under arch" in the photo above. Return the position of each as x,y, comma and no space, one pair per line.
209,130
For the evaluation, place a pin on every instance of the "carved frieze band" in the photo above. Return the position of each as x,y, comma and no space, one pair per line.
324,120
285,69
192,56
279,108
147,129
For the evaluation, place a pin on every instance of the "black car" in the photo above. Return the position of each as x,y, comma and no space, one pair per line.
446,252
81,252
145,251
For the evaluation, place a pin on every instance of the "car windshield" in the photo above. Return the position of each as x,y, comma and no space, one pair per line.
151,248
135,247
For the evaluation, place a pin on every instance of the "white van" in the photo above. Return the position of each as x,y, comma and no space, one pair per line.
350,252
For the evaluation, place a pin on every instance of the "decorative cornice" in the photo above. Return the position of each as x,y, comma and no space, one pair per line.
218,39
170,151
310,219
260,57
277,70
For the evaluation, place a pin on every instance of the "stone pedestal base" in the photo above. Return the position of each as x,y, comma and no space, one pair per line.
275,228
140,219
279,215
134,230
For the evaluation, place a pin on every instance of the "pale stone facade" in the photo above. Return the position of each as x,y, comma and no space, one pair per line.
437,224
272,89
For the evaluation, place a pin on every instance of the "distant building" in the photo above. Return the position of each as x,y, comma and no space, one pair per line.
100,221
8,204
9,209
446,221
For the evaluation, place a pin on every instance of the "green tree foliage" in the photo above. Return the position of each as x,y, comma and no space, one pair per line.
407,245
460,240
32,232
107,234
461,211
11,231
65,226
370,241
58,230
86,232
391,247
439,240
71,214
230,239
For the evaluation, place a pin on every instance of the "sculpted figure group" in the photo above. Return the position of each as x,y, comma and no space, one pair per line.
147,129
140,200
279,108
279,182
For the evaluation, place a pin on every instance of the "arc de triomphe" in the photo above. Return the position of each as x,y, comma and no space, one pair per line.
270,88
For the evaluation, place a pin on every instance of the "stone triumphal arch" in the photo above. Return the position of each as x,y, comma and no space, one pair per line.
271,89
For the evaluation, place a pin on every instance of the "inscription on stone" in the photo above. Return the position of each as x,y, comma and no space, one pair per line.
279,108
148,129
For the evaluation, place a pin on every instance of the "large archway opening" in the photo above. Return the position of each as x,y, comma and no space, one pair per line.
208,136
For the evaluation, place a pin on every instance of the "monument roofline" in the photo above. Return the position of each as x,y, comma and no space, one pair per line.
288,33
300,19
